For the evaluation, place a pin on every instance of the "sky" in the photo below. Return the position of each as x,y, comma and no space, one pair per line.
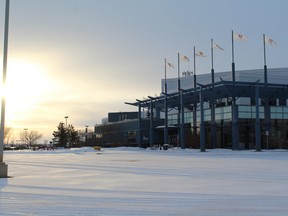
85,58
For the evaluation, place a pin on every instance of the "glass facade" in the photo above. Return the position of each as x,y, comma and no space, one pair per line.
277,136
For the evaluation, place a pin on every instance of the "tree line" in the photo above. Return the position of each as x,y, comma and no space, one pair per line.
64,136
29,137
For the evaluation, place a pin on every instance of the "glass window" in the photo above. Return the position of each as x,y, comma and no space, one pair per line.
172,122
219,117
188,117
219,110
261,109
285,115
207,118
244,115
276,109
285,109
282,102
261,115
227,116
207,112
276,116
244,108
227,109
188,114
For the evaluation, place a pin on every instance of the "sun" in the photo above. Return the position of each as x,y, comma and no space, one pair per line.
26,83
24,78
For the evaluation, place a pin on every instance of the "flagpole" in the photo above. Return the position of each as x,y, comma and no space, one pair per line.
195,104
213,130
3,166
212,53
179,72
233,63
265,65
165,107
267,112
235,131
165,87
179,88
180,111
212,59
194,68
264,45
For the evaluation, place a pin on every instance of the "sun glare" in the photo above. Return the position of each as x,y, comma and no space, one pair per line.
25,83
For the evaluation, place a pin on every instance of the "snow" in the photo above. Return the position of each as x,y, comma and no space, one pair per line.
134,181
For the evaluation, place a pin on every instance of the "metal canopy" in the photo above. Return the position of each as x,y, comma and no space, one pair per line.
191,98
215,91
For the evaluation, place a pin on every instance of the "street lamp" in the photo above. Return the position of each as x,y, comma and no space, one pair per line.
66,117
86,133
3,166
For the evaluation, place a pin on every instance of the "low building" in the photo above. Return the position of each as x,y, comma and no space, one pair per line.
122,130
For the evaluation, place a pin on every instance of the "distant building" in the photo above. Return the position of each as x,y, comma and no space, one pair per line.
122,129
121,116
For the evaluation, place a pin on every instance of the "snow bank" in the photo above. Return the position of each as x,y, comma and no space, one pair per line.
134,181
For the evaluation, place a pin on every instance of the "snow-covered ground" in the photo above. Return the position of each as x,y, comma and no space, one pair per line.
133,181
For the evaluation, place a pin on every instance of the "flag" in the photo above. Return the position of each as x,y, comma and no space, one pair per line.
269,41
185,58
217,46
170,65
239,37
200,54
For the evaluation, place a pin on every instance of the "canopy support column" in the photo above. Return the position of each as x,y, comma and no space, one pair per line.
202,125
151,123
235,128
182,123
166,120
139,126
257,121
213,126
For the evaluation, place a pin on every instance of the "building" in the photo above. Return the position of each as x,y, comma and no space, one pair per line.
239,110
121,129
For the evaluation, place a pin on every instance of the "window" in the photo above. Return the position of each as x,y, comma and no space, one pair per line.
272,102
282,102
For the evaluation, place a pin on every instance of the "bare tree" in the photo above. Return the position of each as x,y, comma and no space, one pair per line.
30,137
7,134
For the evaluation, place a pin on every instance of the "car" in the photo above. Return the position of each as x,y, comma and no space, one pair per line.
166,146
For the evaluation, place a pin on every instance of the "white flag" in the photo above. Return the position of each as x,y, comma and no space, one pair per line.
185,58
239,37
170,65
269,41
217,46
200,54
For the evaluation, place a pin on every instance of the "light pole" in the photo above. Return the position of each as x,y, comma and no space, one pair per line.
3,166
66,117
25,136
86,133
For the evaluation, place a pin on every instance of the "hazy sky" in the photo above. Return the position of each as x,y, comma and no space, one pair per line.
85,58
